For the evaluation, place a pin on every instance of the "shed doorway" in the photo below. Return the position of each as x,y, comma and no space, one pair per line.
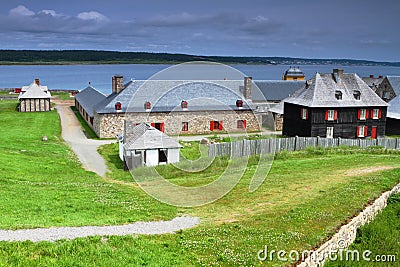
162,156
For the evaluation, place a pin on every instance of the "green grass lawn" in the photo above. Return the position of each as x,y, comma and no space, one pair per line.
303,201
42,183
62,95
381,237
85,127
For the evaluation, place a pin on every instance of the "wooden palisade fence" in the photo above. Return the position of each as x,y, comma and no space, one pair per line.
266,146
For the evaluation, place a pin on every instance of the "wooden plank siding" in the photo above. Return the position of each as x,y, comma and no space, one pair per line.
345,125
392,126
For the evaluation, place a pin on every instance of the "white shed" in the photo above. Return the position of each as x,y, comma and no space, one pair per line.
145,145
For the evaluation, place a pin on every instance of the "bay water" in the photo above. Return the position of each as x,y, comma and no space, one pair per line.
78,77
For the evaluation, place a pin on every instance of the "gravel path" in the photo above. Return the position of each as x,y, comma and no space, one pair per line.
84,148
57,233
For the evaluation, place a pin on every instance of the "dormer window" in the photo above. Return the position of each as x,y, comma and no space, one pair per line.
338,95
184,104
147,105
118,106
239,103
357,95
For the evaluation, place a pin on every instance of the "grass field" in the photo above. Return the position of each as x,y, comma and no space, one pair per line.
62,95
304,199
381,237
85,127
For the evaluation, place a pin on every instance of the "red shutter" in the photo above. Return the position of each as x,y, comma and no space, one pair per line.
367,114
335,115
380,113
152,124
365,130
359,114
244,124
220,125
306,114
162,127
326,115
301,113
358,131
211,125
372,114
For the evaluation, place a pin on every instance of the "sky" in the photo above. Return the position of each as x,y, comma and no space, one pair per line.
355,29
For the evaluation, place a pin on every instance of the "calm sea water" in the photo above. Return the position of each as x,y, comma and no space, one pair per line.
77,77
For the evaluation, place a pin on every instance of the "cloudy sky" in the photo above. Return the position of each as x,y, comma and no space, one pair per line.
358,29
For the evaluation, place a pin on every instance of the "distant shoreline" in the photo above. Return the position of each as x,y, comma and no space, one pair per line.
95,57
174,63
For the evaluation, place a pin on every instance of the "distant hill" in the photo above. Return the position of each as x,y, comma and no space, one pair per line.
8,57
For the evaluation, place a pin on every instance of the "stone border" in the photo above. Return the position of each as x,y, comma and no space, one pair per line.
347,233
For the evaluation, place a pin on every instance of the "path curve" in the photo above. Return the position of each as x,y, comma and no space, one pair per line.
58,233
84,148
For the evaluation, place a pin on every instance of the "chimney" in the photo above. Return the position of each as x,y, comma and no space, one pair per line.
37,81
337,74
247,87
371,76
380,76
117,83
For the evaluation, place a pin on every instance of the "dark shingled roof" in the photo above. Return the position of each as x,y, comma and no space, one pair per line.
168,95
275,90
395,83
394,104
372,81
320,92
88,98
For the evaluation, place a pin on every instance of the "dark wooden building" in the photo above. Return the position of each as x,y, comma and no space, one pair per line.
335,105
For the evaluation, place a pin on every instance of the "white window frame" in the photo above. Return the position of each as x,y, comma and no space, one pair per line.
331,115
329,132
361,131
363,114
375,114
304,112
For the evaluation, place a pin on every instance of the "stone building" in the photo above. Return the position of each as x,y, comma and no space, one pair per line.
173,107
85,101
189,107
389,88
34,98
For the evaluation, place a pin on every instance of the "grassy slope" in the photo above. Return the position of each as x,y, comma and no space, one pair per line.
381,237
304,199
42,183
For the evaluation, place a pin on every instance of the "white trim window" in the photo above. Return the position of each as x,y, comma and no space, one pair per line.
363,114
331,115
375,113
362,131
304,114
329,132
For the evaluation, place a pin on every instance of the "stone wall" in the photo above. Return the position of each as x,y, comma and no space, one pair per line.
109,125
33,105
347,233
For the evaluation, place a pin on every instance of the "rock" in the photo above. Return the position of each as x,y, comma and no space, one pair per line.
204,141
